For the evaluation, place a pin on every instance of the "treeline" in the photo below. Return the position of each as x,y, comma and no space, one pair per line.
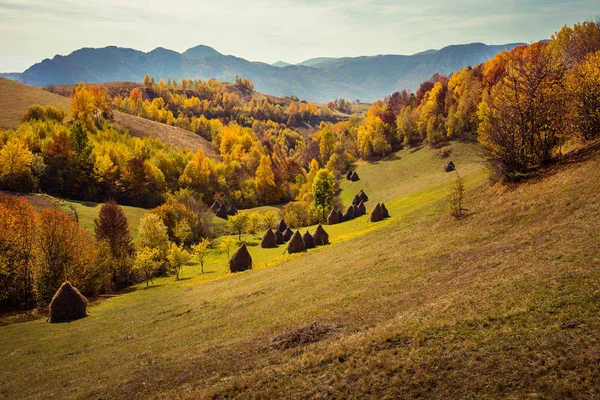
522,105
194,105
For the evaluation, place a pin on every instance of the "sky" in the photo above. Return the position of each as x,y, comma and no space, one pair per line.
273,30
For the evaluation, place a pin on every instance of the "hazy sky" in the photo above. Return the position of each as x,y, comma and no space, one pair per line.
272,30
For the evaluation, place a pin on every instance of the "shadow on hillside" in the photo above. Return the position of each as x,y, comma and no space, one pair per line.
84,203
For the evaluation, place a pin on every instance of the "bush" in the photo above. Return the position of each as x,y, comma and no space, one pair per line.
299,213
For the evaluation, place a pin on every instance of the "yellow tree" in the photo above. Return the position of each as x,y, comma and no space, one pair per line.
15,166
265,180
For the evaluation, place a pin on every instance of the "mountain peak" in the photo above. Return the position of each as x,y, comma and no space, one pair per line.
199,52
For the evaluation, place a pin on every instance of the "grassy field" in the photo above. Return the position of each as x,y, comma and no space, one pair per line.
502,304
15,99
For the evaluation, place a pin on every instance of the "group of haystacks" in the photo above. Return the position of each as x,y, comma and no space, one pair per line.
355,210
352,176
223,212
379,213
296,242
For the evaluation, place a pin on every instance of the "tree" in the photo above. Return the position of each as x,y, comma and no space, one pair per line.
112,227
456,197
269,218
183,232
265,180
146,263
253,222
200,251
152,234
522,120
327,144
226,245
177,257
323,191
15,166
583,82
238,223
66,253
18,244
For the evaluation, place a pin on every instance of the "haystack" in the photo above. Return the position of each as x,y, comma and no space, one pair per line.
340,216
240,260
279,236
377,213
449,167
349,214
354,177
386,214
321,237
332,218
363,196
356,211
309,240
67,304
222,212
215,207
232,210
362,208
356,200
282,226
269,240
296,244
287,235
349,175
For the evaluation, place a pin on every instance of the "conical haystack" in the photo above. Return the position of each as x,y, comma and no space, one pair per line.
377,213
386,214
362,208
356,211
232,210
356,200
240,260
349,175
332,218
215,207
222,212
363,196
340,217
279,236
449,167
296,244
354,177
321,237
269,240
309,240
67,304
287,235
349,214
282,226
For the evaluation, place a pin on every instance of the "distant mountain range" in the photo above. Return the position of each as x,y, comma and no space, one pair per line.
318,79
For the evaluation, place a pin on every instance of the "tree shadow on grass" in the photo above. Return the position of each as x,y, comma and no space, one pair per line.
152,286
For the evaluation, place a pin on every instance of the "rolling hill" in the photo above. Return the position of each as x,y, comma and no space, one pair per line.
15,98
320,79
503,303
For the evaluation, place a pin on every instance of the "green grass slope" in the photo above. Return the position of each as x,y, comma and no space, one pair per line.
15,99
502,304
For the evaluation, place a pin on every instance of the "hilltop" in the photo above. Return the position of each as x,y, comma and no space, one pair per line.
319,79
422,305
16,98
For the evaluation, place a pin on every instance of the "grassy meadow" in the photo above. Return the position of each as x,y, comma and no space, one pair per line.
504,303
